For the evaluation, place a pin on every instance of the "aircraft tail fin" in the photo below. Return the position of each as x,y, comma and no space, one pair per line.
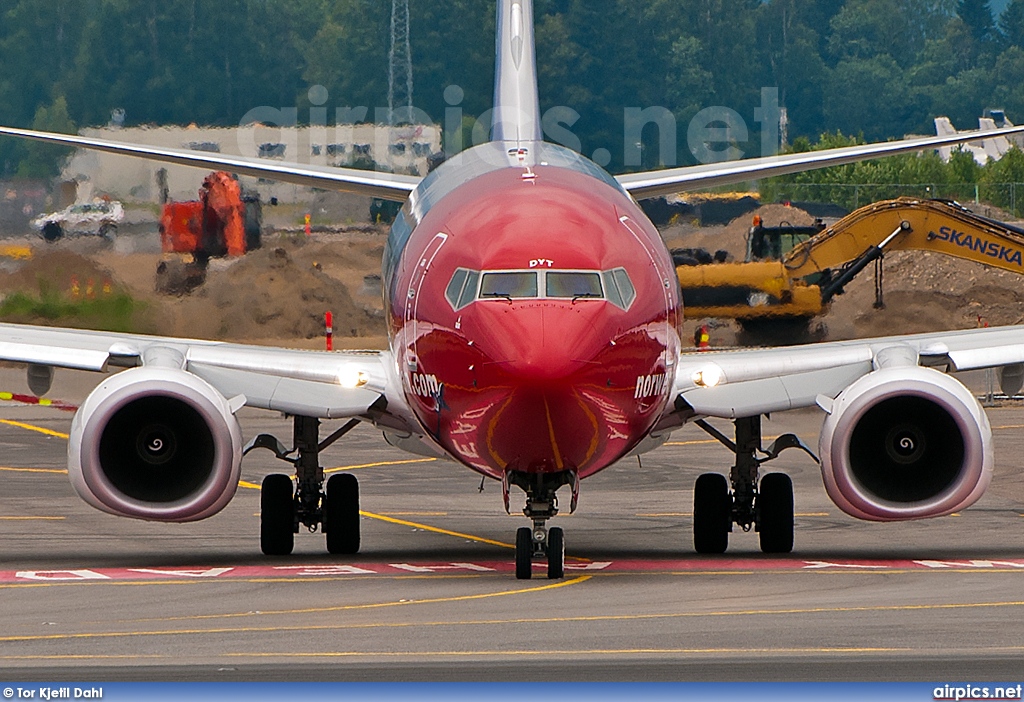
516,101
995,147
944,127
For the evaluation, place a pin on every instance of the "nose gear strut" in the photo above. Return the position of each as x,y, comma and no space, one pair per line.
540,542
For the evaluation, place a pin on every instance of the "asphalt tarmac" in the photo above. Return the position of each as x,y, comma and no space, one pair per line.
431,596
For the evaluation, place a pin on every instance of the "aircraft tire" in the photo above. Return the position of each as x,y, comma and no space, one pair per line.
712,513
277,515
556,553
775,513
341,514
524,553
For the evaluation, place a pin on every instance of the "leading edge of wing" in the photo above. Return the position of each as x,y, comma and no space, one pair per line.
675,180
747,382
316,383
387,186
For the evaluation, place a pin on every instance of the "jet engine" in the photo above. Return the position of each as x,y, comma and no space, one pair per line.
155,443
905,443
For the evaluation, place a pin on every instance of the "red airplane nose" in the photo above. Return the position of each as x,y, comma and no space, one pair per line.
541,341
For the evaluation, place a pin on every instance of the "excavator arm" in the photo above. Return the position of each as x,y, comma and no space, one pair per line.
927,225
802,283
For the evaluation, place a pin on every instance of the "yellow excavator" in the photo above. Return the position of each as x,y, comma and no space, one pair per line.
792,273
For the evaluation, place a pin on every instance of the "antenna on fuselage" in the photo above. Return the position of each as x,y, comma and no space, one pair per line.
516,100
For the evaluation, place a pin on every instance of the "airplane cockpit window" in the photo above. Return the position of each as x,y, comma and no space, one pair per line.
454,291
614,296
466,286
573,284
621,292
469,291
510,285
462,288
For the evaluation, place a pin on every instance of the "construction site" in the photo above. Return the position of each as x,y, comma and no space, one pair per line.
894,266
277,288
212,255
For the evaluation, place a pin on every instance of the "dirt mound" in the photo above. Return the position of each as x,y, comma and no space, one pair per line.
57,271
925,292
270,293
281,292
59,287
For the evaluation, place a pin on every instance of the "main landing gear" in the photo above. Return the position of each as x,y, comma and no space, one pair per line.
540,542
767,508
283,508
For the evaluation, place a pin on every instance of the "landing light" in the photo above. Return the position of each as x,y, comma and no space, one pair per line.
350,378
707,377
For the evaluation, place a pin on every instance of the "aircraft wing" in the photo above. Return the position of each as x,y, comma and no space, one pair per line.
676,180
309,383
746,383
387,186
390,186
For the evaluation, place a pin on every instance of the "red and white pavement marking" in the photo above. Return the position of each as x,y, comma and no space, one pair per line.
41,401
463,568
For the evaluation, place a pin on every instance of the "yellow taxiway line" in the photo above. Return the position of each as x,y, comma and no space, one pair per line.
499,622
58,471
33,427
373,605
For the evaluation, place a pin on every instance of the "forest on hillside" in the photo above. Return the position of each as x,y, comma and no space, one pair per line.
871,68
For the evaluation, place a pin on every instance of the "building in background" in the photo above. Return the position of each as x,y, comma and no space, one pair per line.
403,149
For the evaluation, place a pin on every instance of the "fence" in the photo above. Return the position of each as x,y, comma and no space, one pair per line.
1006,196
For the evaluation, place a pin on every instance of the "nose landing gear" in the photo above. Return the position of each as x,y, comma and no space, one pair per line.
541,543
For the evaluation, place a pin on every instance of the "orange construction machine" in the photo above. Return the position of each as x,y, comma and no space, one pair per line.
225,221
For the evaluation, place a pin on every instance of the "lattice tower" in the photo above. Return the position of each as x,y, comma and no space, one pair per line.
400,60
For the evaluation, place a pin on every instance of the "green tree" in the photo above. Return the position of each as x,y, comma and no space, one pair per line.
872,96
690,85
792,47
857,184
1008,88
865,29
45,160
977,15
1011,23
1003,182
877,67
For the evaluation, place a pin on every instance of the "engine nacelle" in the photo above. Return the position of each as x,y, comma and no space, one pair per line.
905,443
155,443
